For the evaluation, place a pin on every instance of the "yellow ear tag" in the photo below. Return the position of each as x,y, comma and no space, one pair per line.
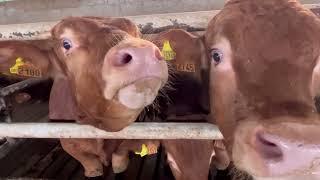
167,51
144,151
14,68
26,69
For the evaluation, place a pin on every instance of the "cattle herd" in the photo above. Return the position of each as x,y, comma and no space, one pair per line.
258,62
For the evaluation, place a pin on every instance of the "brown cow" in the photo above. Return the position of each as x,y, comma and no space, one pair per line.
263,80
188,159
104,75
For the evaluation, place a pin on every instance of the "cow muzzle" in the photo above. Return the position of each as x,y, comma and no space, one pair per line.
134,72
280,147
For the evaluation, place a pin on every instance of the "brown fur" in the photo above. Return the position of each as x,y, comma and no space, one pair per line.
189,96
191,156
190,52
191,159
274,50
77,92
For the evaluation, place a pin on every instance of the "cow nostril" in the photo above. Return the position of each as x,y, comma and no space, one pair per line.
125,59
267,149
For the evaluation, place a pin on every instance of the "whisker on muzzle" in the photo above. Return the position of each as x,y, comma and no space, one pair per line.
237,174
154,111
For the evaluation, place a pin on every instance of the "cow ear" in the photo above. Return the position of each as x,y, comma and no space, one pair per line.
182,48
28,59
185,52
21,59
62,104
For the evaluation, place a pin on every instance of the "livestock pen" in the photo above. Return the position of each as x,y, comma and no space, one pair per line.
30,149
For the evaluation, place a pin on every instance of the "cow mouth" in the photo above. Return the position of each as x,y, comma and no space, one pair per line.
126,104
141,92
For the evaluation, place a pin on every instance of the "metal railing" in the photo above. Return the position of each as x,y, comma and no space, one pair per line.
134,131
193,20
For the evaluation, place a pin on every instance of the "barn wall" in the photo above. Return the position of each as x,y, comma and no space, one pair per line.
22,11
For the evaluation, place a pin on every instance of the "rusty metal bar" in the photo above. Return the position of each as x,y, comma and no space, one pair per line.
5,91
20,85
192,21
134,131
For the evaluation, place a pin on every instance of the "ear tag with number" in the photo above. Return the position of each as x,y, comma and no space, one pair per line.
147,150
14,68
167,51
23,68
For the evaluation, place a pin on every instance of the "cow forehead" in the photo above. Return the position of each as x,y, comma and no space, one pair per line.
75,24
275,46
267,33
83,27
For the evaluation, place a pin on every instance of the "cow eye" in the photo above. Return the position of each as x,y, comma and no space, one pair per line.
216,56
67,44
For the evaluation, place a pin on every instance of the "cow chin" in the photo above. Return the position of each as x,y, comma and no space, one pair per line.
115,127
140,93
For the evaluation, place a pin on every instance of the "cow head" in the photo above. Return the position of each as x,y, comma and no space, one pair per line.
263,80
110,72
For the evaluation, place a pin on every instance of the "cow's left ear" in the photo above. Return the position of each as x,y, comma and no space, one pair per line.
187,55
180,47
62,104
23,60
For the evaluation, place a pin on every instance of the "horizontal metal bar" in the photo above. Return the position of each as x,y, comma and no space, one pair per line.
148,24
312,6
20,86
134,131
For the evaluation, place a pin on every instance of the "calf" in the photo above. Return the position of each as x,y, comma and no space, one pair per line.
263,80
185,52
188,159
104,75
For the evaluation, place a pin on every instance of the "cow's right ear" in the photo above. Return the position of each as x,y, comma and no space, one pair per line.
187,54
22,59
